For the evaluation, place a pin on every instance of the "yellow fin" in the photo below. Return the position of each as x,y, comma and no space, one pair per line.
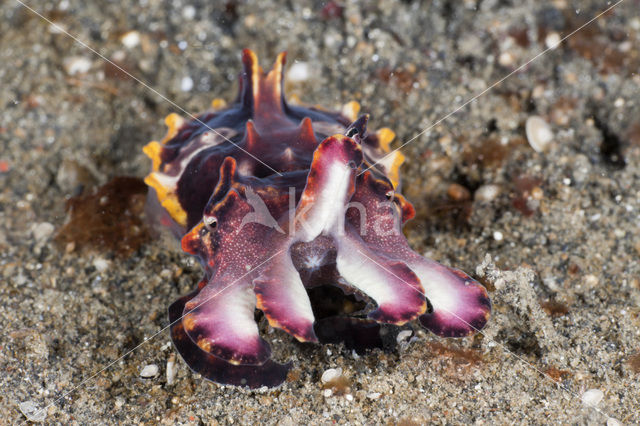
174,122
153,150
294,99
394,170
218,104
168,199
173,207
385,136
351,110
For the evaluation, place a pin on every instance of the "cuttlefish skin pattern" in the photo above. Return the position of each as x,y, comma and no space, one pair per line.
277,201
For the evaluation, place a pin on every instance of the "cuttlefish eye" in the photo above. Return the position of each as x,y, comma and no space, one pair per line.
352,165
351,132
390,195
210,222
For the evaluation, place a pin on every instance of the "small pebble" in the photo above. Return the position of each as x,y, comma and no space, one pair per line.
331,374
100,264
119,402
32,412
497,235
70,175
186,84
57,28
171,369
327,393
590,281
613,422
552,40
188,12
299,72
538,132
592,397
625,46
505,59
457,192
42,231
374,395
404,336
538,91
149,370
130,39
76,65
537,193
487,193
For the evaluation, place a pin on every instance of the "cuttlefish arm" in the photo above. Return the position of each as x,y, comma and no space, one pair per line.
458,305
270,373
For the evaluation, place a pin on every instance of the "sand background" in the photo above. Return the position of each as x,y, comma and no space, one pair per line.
554,236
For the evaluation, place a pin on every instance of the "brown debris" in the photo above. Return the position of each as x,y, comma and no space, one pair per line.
332,10
458,356
633,133
520,35
524,185
573,269
117,70
491,152
409,421
634,362
488,284
404,79
562,110
554,308
556,374
341,385
100,86
451,212
109,219
294,375
604,48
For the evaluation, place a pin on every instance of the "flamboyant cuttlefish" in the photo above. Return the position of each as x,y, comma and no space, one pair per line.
277,201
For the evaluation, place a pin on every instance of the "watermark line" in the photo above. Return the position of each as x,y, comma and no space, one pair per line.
521,359
145,85
94,375
474,98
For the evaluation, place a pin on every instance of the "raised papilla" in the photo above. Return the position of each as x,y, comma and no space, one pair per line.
277,202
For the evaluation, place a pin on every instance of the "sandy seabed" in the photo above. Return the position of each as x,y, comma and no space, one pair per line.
553,234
